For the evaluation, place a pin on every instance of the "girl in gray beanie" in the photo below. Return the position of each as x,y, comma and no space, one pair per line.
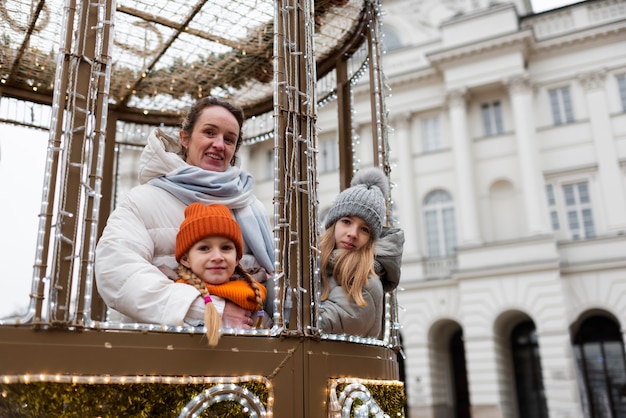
352,292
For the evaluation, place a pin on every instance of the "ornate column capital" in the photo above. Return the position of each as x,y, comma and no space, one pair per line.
457,97
518,84
592,80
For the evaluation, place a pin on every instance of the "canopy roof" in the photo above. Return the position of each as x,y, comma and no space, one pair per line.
167,53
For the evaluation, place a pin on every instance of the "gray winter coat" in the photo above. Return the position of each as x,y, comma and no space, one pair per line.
338,315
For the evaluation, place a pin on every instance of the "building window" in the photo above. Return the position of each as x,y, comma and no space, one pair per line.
578,210
561,103
329,158
554,213
439,223
531,397
621,84
431,134
492,118
599,353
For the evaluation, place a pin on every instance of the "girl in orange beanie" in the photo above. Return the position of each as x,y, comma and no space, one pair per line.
209,246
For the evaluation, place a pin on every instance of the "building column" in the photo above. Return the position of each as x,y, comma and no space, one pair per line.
609,174
533,188
466,209
403,175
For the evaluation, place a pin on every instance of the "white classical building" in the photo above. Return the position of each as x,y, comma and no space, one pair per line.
508,146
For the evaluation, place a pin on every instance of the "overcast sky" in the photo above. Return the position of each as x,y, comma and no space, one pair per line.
22,163
542,5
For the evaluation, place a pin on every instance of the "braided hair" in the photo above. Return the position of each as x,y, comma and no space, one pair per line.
212,319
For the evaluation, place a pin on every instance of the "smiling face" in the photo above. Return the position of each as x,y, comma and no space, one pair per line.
213,140
213,259
351,233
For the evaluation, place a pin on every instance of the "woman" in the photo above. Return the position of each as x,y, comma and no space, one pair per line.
135,256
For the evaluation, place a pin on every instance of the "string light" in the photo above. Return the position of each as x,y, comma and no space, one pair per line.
299,129
343,392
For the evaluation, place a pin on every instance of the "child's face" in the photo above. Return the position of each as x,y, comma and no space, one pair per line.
213,259
351,233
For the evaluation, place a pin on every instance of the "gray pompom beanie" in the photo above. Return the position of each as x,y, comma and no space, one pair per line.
364,198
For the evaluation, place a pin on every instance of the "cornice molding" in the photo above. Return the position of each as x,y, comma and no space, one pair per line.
525,41
514,41
575,39
424,75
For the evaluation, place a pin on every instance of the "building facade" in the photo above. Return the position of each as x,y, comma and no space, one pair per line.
508,145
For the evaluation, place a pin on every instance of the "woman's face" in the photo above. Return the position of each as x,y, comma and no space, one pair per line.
213,141
351,233
213,259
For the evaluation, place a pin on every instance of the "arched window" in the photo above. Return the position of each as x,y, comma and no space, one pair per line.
531,397
439,224
449,381
599,352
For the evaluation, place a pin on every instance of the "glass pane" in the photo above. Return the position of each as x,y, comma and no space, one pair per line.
432,233
556,109
554,218
614,354
550,194
430,134
583,192
497,115
581,378
597,380
486,119
449,230
572,218
567,105
426,135
528,376
568,191
621,82
590,231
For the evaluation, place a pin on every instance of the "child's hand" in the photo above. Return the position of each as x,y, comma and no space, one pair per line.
235,316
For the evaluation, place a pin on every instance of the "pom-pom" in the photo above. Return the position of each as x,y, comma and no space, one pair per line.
372,176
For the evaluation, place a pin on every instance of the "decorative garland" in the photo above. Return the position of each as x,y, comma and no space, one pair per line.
250,62
364,397
144,399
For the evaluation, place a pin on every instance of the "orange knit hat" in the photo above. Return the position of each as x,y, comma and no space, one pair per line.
202,221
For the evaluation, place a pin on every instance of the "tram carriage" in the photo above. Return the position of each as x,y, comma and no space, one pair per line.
67,355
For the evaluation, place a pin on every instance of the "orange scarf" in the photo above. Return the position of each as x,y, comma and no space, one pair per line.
237,291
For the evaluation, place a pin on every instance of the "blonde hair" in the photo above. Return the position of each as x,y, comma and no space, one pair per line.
212,319
350,270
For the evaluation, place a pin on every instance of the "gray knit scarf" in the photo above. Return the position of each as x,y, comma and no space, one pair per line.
232,188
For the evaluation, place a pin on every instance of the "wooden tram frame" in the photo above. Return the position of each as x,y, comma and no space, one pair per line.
296,360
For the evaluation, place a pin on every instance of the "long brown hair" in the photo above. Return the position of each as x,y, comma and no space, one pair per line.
352,267
191,118
212,319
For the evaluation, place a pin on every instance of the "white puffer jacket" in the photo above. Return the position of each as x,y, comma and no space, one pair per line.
140,237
